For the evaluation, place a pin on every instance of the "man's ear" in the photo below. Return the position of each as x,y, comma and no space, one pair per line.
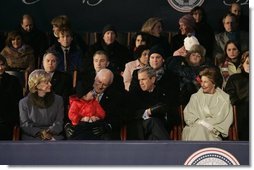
153,79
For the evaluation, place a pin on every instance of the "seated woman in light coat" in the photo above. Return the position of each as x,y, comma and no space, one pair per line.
209,114
41,111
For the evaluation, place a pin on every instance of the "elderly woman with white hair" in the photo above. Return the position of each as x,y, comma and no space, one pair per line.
41,111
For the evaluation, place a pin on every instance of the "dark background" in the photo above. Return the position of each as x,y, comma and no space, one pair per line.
126,15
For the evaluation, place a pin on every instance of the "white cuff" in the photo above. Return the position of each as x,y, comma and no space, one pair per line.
205,124
145,115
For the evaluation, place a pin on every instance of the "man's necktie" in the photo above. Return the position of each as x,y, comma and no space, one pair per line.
97,97
65,59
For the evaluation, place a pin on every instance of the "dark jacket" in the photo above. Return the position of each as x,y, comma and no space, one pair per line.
163,118
112,101
168,81
10,94
161,41
77,40
176,42
62,85
187,76
119,55
238,89
168,84
206,38
38,41
74,59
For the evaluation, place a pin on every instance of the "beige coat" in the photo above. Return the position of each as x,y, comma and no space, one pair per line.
22,58
207,116
127,74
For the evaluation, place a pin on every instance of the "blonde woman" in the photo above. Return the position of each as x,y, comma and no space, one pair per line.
153,28
41,111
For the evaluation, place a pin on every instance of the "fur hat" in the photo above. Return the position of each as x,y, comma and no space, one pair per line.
197,48
189,41
157,49
188,20
109,28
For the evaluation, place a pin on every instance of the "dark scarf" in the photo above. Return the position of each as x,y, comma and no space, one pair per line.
41,102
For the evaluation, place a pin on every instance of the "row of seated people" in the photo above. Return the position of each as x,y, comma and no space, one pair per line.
155,64
152,61
147,112
152,31
72,61
116,63
86,123
174,134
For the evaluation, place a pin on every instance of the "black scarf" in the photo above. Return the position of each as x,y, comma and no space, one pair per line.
41,102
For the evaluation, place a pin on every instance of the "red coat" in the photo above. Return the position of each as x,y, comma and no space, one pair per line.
80,108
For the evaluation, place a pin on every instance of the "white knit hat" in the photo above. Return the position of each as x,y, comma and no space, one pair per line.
189,41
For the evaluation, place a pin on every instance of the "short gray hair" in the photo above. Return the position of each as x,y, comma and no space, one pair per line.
149,71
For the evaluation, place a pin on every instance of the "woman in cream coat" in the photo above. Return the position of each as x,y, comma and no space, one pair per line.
209,114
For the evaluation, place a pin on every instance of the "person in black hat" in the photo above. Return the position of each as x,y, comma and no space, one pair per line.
156,61
119,54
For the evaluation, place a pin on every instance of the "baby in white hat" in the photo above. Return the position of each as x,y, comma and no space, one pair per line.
189,41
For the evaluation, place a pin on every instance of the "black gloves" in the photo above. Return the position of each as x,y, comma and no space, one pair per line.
69,130
159,110
102,129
